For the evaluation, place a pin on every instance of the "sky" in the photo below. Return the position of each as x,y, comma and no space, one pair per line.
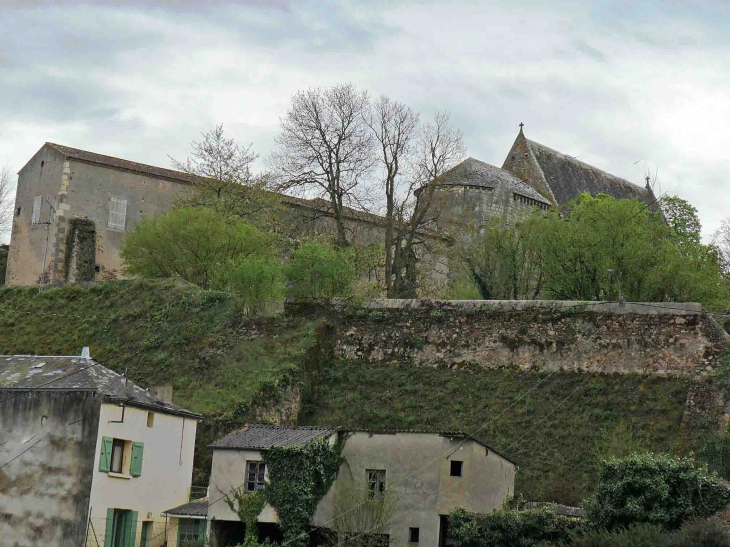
624,86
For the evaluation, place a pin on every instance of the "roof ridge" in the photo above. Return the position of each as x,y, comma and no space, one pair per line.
574,159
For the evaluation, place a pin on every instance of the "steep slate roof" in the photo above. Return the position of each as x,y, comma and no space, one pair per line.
56,373
118,163
472,172
259,437
196,508
569,177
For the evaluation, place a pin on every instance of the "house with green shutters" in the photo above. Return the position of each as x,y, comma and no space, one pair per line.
87,457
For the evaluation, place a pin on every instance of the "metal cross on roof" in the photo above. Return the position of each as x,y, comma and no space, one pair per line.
521,126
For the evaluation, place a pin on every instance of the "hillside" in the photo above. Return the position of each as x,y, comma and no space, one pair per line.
235,369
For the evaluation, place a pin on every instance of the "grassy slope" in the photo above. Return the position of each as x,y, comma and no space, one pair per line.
556,459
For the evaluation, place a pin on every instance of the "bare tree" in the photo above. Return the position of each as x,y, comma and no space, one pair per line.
325,147
7,202
721,241
395,127
439,147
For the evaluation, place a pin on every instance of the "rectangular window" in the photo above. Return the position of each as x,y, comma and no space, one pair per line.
190,532
255,475
414,535
150,419
117,456
117,213
376,483
36,217
456,468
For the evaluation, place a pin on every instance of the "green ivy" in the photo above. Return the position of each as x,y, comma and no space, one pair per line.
248,506
299,476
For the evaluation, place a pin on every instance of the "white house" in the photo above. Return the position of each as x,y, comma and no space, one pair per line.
88,457
423,475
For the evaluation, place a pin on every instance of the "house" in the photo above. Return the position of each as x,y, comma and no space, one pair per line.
86,456
423,475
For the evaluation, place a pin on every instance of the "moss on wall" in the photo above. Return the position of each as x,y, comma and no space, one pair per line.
80,251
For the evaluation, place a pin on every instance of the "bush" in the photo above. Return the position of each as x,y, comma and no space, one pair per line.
320,270
642,535
192,244
256,279
700,533
508,528
654,489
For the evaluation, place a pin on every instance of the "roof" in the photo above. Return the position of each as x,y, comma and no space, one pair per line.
260,437
118,163
569,177
72,373
196,508
472,172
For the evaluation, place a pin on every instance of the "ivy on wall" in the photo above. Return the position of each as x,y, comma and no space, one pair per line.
248,506
299,476
81,250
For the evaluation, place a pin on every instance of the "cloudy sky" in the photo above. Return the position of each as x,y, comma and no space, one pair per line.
624,86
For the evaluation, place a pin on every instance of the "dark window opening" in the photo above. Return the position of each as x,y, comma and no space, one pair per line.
255,476
413,535
42,164
456,468
18,213
117,456
376,483
97,269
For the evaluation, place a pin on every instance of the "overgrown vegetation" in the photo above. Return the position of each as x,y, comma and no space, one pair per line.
695,533
557,460
4,250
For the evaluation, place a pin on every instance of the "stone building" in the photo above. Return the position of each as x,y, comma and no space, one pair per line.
422,476
87,456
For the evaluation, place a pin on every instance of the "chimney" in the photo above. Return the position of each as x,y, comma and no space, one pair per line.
85,354
162,393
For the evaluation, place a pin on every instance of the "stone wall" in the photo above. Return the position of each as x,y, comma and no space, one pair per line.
666,339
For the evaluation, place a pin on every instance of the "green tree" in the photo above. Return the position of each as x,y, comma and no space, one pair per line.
257,279
317,269
191,243
682,219
654,489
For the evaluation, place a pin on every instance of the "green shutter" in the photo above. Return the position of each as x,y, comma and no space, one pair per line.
106,454
109,528
132,533
135,468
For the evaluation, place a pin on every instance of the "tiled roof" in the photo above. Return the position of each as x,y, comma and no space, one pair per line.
196,508
58,373
258,437
568,177
119,163
472,172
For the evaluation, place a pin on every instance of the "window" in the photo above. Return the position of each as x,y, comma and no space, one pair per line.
146,535
456,468
120,529
36,216
413,535
150,419
117,456
376,483
117,213
190,532
18,213
255,476
121,456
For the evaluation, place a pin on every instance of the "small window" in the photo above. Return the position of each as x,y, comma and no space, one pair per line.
42,164
117,456
18,212
255,476
150,419
414,535
376,483
456,468
97,268
36,217
117,213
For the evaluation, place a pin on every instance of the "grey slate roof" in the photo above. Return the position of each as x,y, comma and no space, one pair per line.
258,436
569,177
196,508
57,373
472,172
119,163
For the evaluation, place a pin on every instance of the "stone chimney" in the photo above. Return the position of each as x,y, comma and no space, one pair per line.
162,393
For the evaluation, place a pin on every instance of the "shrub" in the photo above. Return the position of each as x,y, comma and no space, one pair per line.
509,528
655,489
700,533
190,243
320,270
256,279
642,535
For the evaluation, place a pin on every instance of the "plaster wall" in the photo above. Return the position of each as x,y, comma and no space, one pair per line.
418,476
44,492
167,466
41,176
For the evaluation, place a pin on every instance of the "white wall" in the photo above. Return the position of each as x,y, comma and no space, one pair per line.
167,466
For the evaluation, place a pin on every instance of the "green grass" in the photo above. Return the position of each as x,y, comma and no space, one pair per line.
611,415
